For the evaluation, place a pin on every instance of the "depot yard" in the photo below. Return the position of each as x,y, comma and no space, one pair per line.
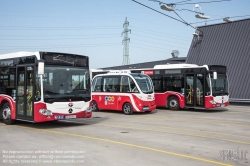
163,137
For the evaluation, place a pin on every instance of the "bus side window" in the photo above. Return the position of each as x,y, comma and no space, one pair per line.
124,84
96,86
110,83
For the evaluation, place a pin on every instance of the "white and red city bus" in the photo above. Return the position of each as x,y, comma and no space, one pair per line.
188,85
44,86
123,91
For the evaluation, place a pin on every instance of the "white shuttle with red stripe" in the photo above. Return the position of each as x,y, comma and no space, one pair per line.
123,91
189,85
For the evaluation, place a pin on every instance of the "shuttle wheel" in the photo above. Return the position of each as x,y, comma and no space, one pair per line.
6,114
94,106
173,103
127,109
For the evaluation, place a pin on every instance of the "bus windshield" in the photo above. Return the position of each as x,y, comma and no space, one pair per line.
220,85
66,84
144,82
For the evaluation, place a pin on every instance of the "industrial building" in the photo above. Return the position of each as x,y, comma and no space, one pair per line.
218,44
226,44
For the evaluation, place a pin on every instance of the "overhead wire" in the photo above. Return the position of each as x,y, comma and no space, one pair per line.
64,46
163,44
157,39
202,2
166,34
158,11
165,14
60,38
151,46
220,19
132,45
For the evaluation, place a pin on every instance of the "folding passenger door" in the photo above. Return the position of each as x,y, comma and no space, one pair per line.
194,90
25,92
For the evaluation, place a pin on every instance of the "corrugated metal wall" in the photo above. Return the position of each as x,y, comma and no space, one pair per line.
226,44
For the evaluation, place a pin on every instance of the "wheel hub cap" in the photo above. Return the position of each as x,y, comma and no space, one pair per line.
126,109
173,103
6,113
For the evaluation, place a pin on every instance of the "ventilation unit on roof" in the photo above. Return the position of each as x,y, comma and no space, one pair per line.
175,53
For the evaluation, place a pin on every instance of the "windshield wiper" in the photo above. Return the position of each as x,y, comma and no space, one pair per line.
65,98
69,99
148,92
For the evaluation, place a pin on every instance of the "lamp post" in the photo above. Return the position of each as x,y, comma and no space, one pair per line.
226,19
167,7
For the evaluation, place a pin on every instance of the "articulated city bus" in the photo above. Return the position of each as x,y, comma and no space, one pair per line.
187,85
44,86
123,91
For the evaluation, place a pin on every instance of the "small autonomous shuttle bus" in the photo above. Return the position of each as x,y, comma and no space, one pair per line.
123,91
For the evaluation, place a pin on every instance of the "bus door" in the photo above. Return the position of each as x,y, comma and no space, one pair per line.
194,90
25,92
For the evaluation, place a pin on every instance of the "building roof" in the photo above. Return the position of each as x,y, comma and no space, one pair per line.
226,44
148,64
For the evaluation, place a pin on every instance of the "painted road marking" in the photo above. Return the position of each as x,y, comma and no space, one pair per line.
127,144
177,128
178,133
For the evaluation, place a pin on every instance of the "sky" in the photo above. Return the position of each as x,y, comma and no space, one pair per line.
94,27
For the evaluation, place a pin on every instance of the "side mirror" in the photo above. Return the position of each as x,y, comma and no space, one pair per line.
215,75
40,67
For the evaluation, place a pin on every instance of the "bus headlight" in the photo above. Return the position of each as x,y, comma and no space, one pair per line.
89,109
212,102
45,112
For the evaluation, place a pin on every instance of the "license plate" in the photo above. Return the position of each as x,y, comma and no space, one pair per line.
145,108
220,105
70,117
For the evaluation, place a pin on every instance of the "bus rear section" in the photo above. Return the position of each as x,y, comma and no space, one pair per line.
123,91
44,86
191,86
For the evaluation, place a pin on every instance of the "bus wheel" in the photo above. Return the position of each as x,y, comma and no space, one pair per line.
94,106
6,113
127,109
173,103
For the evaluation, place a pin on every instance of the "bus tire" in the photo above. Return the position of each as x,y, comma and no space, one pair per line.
94,106
127,109
173,103
6,114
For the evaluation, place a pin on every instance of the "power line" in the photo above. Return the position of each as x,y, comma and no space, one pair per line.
180,17
142,30
160,2
57,28
164,14
65,46
146,48
219,19
56,35
157,39
166,34
158,35
158,12
153,46
203,2
62,38
157,43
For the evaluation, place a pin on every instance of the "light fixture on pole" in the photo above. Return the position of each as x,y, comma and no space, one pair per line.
167,7
201,16
226,19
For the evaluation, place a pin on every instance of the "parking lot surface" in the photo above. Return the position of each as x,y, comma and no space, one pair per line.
109,138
